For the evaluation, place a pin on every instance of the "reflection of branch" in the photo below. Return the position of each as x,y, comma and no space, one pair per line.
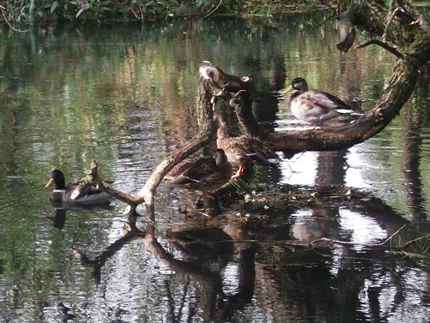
411,160
99,261
380,244
384,45
182,302
246,286
212,280
290,243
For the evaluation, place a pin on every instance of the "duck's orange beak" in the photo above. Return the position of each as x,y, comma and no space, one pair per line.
287,91
50,183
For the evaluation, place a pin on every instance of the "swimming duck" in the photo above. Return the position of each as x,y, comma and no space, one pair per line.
315,106
74,193
203,174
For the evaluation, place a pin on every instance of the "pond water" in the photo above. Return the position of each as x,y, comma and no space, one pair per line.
126,96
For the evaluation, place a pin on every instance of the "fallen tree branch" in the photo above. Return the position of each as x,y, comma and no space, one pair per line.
146,194
384,45
400,88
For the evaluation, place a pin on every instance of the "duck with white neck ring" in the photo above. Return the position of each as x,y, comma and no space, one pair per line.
69,194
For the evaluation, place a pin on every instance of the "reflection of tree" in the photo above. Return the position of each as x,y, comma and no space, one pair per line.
215,303
331,286
411,162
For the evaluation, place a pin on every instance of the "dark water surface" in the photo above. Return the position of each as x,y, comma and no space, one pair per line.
127,97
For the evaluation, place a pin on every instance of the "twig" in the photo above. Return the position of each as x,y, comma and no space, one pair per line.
394,234
389,21
415,240
213,10
349,243
409,254
384,45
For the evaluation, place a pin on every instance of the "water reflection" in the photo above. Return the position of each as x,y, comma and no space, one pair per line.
196,256
216,273
128,97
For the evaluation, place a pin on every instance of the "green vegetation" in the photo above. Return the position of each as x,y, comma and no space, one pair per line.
18,14
24,12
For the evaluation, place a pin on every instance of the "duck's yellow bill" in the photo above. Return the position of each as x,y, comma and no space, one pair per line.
50,183
288,90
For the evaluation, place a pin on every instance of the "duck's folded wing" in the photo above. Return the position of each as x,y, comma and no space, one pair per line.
202,168
192,172
326,100
84,189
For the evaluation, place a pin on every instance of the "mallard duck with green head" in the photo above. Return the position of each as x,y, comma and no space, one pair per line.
74,193
315,106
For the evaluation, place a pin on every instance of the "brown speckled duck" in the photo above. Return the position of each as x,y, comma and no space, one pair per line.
203,174
315,106
243,147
